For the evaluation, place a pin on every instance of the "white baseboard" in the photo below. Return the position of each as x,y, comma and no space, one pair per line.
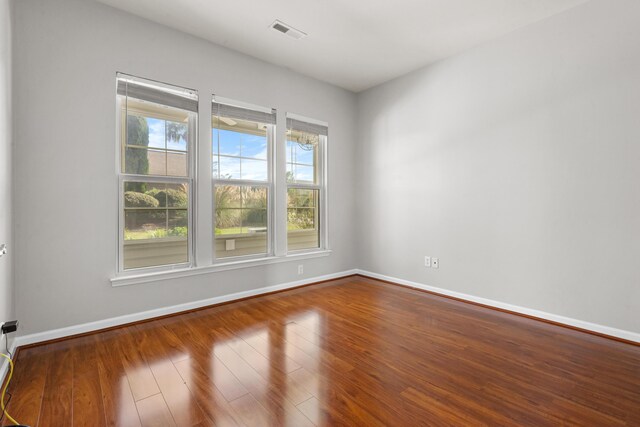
4,363
134,317
618,333
150,314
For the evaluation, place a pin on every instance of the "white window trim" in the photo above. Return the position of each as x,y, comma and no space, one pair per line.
277,210
269,185
190,179
148,277
270,219
323,235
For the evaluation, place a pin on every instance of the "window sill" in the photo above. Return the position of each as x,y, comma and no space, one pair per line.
194,271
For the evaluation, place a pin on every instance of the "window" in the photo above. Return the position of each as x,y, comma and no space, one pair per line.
157,131
157,150
305,147
242,140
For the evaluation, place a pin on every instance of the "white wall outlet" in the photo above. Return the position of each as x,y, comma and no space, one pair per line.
300,269
230,245
435,262
427,261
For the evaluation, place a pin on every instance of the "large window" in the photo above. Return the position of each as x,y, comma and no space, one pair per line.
242,140
305,145
157,130
262,194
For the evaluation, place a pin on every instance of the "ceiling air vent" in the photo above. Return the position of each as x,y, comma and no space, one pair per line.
287,29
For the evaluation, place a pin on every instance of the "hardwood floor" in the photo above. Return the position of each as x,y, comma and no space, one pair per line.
352,351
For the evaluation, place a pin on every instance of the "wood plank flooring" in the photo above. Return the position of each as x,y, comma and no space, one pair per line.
353,351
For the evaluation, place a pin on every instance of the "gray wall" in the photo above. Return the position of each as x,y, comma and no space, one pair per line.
6,280
65,182
518,165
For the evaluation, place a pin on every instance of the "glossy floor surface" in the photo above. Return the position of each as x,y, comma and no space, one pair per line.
353,351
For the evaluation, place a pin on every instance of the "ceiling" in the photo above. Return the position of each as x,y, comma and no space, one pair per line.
354,44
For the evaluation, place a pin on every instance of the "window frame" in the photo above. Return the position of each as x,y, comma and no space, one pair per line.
200,211
321,186
269,185
190,179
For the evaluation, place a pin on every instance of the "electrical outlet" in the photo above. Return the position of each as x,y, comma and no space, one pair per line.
300,269
427,261
435,262
8,327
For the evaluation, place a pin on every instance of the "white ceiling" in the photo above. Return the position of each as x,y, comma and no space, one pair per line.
354,44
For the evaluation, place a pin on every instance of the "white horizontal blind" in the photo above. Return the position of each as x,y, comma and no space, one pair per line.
240,113
155,237
178,98
302,126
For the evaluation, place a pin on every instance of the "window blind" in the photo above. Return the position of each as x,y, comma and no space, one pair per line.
240,113
179,98
302,126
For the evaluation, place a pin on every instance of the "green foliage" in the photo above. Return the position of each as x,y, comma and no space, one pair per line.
178,231
255,217
301,210
158,233
169,197
301,219
133,199
176,131
136,160
137,131
239,207
290,177
227,196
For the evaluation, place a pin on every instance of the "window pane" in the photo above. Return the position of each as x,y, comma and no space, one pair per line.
177,222
305,154
254,146
228,196
254,197
136,160
254,220
240,149
156,132
241,220
228,221
156,221
168,195
229,167
303,230
141,195
302,150
145,224
302,174
229,143
157,163
176,163
148,130
176,135
255,170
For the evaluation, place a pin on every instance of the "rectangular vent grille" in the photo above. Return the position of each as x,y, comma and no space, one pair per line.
288,30
280,28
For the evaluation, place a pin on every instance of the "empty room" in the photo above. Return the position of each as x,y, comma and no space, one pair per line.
319,213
